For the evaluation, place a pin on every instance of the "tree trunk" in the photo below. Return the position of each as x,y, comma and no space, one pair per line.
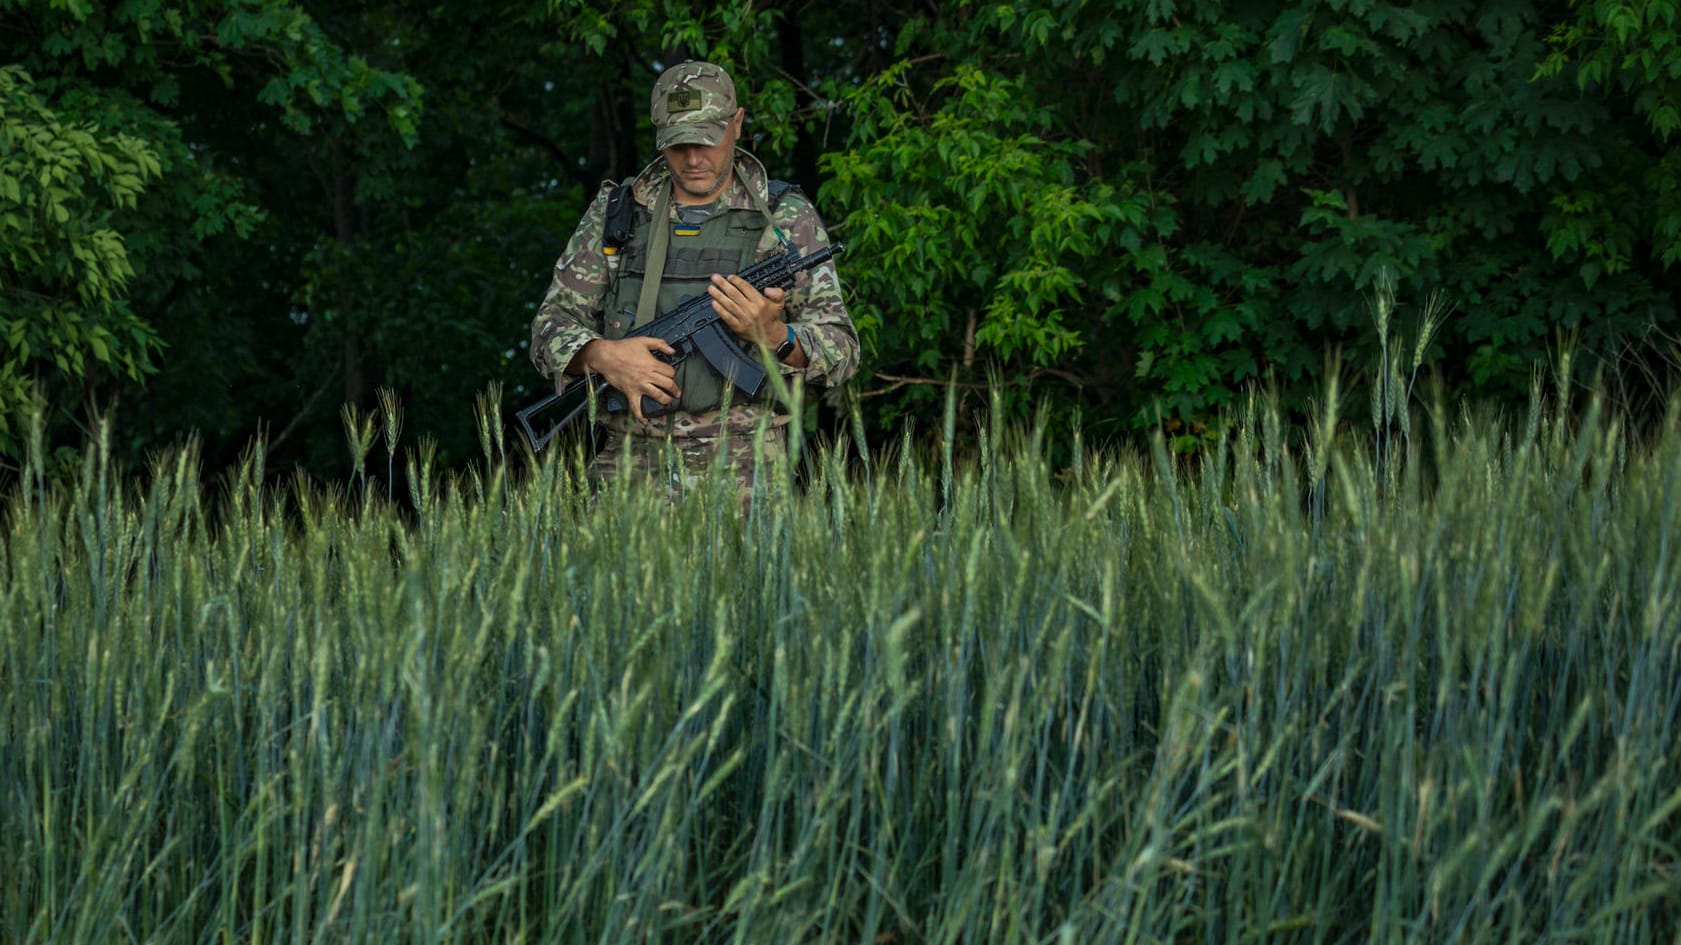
357,383
791,38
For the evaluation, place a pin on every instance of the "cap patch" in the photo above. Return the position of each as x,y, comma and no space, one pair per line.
682,100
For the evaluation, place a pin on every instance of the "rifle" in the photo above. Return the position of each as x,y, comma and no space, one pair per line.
693,325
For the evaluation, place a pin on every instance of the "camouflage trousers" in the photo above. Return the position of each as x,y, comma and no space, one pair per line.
682,464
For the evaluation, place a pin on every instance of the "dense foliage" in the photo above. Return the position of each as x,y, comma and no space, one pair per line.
232,215
1168,199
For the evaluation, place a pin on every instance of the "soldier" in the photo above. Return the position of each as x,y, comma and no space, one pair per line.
717,212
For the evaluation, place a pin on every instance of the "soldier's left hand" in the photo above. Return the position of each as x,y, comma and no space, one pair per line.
755,316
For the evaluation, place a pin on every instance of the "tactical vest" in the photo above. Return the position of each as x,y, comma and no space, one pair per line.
727,242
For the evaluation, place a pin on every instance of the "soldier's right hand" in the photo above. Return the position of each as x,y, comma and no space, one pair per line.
630,366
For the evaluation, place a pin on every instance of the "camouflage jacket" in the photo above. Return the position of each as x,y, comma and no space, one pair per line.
571,313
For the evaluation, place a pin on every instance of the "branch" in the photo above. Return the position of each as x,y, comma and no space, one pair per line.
298,417
899,381
534,137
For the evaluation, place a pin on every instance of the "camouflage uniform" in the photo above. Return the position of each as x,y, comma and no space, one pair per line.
572,315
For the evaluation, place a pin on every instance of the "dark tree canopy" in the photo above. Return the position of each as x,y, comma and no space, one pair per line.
227,217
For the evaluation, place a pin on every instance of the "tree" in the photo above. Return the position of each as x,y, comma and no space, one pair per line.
68,180
123,172
1132,209
1273,161
1633,52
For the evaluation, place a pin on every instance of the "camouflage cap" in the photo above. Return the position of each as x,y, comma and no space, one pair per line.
691,104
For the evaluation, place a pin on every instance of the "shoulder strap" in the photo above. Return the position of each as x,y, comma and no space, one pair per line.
659,239
777,189
620,210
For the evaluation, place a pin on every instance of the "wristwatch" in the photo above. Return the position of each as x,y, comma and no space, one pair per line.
787,346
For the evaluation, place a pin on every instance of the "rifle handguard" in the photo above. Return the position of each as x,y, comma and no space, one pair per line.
693,325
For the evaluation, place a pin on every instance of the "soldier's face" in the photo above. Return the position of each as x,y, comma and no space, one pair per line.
702,172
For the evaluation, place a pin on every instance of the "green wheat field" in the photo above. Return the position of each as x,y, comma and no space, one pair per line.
1403,683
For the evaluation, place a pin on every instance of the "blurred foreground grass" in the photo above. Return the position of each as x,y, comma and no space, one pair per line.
1285,692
